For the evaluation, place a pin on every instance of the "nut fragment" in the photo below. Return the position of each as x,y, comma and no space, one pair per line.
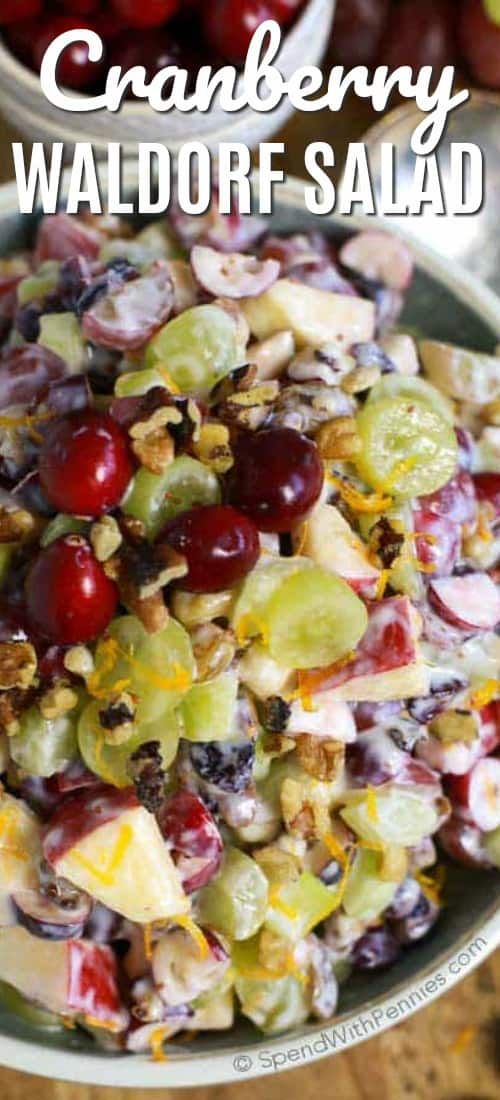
18,664
304,811
321,758
279,866
491,413
106,538
57,701
152,443
214,650
16,524
192,609
338,438
360,379
455,725
250,407
79,661
213,448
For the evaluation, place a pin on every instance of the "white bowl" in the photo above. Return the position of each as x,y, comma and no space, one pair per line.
447,304
28,110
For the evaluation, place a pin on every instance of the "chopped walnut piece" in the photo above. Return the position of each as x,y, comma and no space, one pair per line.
146,771
385,542
141,572
250,408
274,951
277,744
193,608
305,810
321,758
338,438
276,713
117,719
57,701
12,705
360,379
106,538
152,443
278,865
4,754
214,649
239,379
213,447
16,524
18,664
79,661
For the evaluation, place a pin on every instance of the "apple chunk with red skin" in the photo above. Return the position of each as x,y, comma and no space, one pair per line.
387,663
70,978
103,841
329,541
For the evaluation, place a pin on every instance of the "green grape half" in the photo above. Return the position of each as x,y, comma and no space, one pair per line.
408,449
366,894
42,746
408,386
313,619
157,668
297,907
273,1004
248,618
110,762
208,709
390,816
13,1002
235,901
196,350
157,498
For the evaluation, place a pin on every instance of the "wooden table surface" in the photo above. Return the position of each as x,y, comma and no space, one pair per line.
448,1051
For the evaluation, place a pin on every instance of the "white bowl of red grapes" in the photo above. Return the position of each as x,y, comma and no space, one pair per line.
155,34
249,652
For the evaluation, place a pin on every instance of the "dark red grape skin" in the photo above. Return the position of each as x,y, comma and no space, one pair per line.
13,11
357,31
69,598
230,24
145,13
277,478
154,49
220,545
420,34
75,70
85,465
479,39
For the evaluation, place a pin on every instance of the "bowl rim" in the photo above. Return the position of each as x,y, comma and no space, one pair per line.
243,1061
17,70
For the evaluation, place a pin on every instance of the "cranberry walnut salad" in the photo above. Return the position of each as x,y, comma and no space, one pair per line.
249,597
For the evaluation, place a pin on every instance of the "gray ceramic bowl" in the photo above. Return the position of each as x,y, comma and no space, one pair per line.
446,304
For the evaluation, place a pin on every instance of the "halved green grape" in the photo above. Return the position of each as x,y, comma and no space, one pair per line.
273,1004
235,901
14,1002
390,816
401,385
196,349
36,286
158,668
366,894
492,845
44,747
208,709
110,762
248,618
297,907
61,333
408,449
157,498
62,525
313,619
134,383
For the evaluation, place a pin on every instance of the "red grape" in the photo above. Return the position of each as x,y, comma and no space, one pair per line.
487,485
479,39
284,11
68,595
230,24
357,31
74,68
80,7
145,13
153,49
85,465
277,477
13,11
221,546
420,34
